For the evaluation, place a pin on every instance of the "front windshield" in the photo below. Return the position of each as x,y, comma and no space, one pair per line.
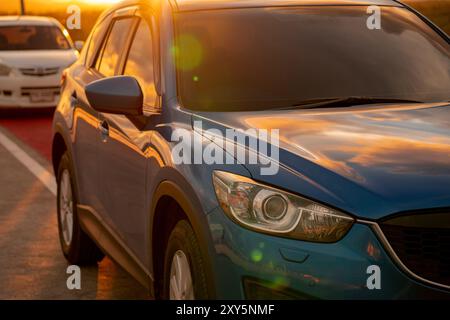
32,38
265,58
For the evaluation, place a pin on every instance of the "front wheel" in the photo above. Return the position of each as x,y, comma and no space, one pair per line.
184,268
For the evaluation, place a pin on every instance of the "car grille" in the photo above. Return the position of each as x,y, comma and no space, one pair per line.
422,243
39,72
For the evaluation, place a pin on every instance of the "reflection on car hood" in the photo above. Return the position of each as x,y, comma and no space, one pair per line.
38,58
399,156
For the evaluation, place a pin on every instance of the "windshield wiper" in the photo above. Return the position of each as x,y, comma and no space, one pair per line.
344,102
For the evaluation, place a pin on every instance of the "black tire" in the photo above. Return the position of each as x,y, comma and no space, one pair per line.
80,250
183,238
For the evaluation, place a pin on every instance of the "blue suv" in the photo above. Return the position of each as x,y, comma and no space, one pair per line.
256,149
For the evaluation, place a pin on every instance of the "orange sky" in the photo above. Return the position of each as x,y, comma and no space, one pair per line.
44,5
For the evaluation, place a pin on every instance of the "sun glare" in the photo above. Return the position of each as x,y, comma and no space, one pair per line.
94,2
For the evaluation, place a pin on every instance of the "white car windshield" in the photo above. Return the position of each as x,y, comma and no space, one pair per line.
32,38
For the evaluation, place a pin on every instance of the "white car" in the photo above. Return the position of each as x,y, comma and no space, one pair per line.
34,51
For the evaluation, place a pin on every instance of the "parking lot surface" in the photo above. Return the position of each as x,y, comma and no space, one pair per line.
31,263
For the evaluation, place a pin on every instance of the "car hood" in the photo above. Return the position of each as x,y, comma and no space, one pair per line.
370,161
38,58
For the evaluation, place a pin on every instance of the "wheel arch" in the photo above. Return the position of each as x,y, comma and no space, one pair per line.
62,143
181,199
59,147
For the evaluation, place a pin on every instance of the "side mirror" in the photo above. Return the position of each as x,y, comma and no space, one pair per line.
79,45
118,95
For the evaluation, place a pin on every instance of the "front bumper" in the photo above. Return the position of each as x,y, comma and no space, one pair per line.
299,269
16,90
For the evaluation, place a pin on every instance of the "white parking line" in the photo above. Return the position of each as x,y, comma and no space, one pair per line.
35,168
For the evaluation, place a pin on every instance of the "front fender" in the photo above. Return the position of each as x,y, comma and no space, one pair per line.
180,190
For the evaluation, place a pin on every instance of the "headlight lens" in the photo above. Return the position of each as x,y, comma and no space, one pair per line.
269,210
4,70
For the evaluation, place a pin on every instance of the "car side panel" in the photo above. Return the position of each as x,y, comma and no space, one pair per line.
85,138
122,169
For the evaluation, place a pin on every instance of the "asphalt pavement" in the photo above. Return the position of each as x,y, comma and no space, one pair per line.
31,263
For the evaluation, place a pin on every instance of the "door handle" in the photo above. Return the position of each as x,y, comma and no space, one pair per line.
103,127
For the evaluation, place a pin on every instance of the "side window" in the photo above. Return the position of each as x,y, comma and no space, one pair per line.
110,55
140,63
95,40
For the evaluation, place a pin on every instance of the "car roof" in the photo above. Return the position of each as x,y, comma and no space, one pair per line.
27,20
192,5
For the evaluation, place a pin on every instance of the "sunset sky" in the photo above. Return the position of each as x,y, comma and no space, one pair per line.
41,5
44,5
437,10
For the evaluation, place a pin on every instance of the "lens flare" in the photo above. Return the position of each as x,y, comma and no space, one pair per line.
188,52
256,255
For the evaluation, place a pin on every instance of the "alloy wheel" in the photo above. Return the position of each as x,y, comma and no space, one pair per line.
66,207
181,285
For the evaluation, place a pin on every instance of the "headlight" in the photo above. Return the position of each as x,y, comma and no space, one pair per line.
269,210
4,70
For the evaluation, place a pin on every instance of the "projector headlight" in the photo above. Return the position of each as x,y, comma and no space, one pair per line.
272,211
4,70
